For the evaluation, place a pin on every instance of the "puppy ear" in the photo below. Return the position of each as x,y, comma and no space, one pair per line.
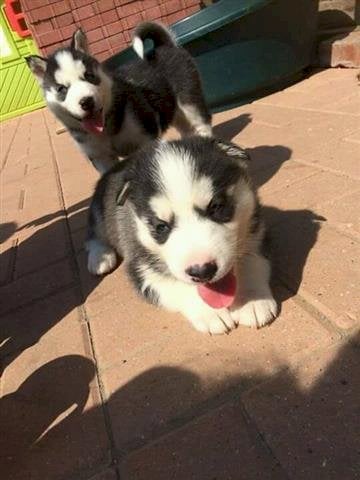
234,151
38,66
79,41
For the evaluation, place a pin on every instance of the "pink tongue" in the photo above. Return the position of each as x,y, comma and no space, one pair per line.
94,124
219,294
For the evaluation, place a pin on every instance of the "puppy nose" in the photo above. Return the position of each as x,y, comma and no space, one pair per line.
202,273
87,103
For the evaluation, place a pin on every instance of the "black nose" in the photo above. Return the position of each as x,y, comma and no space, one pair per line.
202,273
87,104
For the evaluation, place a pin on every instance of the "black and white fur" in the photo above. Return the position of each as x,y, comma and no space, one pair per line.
137,103
177,204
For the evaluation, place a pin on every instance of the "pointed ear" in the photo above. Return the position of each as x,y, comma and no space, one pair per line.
234,151
79,41
38,66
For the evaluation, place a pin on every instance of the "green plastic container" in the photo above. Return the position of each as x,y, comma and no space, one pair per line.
19,90
245,48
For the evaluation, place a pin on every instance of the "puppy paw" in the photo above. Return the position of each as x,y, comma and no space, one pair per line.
256,313
101,261
203,130
214,322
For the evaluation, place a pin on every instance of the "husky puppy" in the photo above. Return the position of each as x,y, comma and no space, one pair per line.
186,220
112,114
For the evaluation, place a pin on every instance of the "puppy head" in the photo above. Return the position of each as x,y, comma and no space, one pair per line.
73,82
193,206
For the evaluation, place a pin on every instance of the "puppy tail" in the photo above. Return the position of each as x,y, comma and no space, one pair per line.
154,31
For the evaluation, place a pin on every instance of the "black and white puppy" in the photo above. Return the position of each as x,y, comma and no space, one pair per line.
112,114
186,220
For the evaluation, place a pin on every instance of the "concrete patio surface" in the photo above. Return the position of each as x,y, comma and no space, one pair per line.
98,385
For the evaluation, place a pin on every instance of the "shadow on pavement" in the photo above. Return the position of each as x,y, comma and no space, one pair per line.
6,230
285,428
42,284
230,128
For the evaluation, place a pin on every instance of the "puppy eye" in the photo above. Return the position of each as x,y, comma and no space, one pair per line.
90,77
61,89
162,228
216,206
220,209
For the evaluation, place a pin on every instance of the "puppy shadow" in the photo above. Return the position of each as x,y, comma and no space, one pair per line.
230,128
155,425
61,386
290,237
73,209
6,230
43,278
266,161
290,234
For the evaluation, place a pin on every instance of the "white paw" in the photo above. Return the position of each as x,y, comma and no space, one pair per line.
203,130
214,322
101,260
256,313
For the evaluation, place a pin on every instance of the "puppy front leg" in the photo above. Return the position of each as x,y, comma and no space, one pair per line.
183,298
102,259
255,305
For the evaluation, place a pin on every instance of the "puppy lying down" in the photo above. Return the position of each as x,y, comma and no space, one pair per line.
186,220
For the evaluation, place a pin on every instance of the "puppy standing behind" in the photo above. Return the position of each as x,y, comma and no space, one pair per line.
112,114
184,217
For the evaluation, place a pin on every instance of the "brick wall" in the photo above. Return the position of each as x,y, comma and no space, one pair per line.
108,23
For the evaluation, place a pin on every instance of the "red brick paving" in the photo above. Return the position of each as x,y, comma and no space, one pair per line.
221,444
313,426
97,385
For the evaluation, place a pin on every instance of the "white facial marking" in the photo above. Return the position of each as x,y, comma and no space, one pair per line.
70,73
161,206
50,95
195,238
70,70
178,182
145,236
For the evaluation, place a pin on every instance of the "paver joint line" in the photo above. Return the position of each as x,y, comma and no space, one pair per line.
10,145
81,308
260,436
